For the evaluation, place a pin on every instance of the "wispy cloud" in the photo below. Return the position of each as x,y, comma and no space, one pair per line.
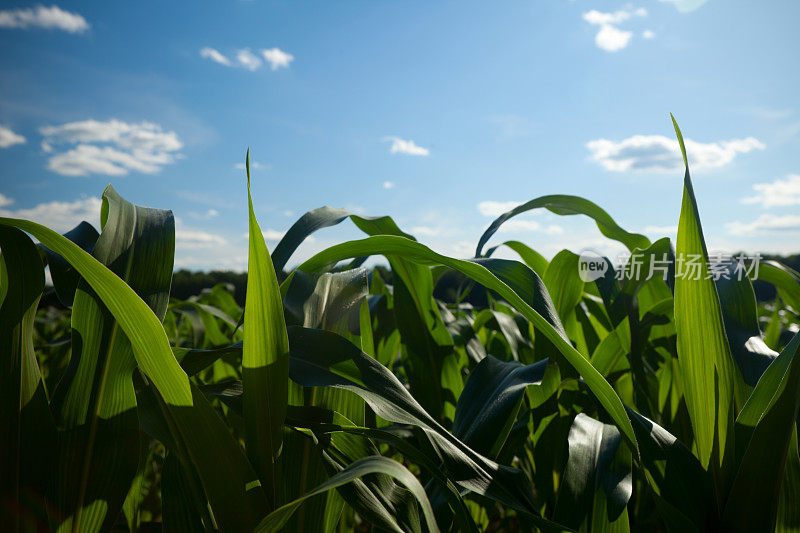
59,216
208,215
190,239
113,147
215,56
491,208
657,153
610,37
277,58
768,113
388,185
247,59
686,6
425,231
9,138
766,223
521,225
402,146
779,193
510,126
648,34
661,230
50,18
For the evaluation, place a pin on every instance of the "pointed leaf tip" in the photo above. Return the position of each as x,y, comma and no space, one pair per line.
680,140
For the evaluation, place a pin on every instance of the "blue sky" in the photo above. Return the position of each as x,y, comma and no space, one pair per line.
440,114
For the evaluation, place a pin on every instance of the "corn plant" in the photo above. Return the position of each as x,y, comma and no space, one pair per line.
482,394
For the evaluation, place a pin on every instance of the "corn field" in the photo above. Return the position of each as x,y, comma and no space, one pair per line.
483,394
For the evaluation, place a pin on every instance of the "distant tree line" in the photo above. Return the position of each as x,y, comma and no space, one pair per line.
186,283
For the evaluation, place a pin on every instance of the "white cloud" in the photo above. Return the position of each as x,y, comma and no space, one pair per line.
767,113
685,6
51,18
766,223
779,193
656,153
208,215
113,147
245,58
9,138
518,225
215,56
554,229
248,59
388,184
401,146
193,239
424,231
277,58
270,234
661,230
59,216
648,34
610,38
510,126
490,208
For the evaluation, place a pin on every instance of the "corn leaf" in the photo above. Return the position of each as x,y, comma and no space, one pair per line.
764,431
368,465
481,273
265,361
703,352
562,204
26,441
230,484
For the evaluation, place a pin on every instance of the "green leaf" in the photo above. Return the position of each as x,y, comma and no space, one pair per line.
786,280
95,403
703,352
740,316
368,465
561,204
65,279
322,358
564,283
327,301
489,403
529,256
764,430
230,484
484,275
27,455
597,481
677,476
265,361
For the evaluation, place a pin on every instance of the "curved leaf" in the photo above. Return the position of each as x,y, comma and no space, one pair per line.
231,485
562,204
479,272
368,465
